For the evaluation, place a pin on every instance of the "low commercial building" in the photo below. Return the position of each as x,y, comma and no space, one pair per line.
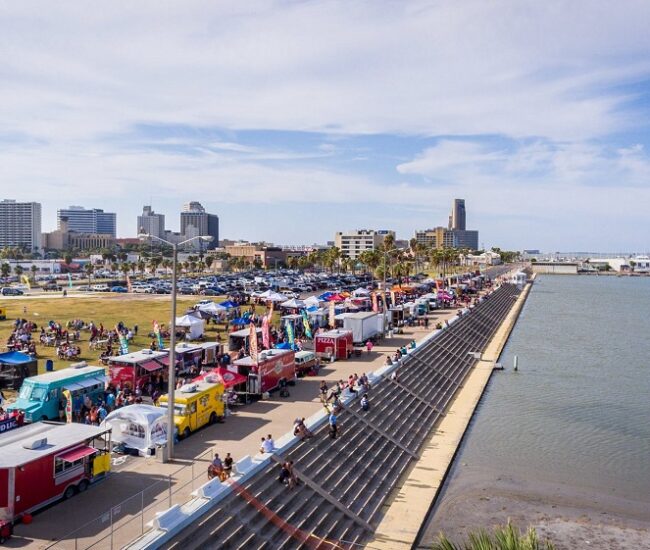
267,256
65,239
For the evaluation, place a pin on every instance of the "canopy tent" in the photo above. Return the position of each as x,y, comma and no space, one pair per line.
193,324
140,427
335,298
361,292
212,309
293,304
228,304
312,301
325,295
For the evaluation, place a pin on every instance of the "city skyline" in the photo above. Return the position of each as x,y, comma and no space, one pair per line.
304,119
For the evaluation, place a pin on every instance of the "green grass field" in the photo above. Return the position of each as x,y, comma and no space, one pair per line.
107,309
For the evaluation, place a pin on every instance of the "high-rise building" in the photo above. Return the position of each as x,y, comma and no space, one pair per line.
457,217
151,223
196,221
90,221
20,224
353,243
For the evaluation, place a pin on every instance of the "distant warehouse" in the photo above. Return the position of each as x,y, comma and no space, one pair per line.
556,268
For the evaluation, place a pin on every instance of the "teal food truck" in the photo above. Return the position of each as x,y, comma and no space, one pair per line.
41,397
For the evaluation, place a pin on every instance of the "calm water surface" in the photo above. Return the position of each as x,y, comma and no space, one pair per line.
578,412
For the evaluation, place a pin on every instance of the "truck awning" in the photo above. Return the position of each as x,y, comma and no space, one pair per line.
78,453
87,383
151,366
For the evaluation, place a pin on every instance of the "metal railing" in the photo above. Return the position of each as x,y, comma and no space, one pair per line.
128,519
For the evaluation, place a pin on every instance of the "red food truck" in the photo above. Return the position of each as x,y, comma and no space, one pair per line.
272,366
135,369
334,343
44,462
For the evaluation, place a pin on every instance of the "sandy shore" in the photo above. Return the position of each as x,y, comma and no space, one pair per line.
571,517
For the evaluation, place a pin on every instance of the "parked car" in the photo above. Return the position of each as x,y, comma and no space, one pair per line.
8,291
51,286
118,289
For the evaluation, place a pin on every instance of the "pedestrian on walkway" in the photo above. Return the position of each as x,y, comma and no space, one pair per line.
333,430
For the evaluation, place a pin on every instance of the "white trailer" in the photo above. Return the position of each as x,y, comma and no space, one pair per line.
364,325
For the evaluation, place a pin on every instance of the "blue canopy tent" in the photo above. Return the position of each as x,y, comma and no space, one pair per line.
15,366
228,304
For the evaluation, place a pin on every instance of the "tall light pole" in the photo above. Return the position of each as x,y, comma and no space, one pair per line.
171,376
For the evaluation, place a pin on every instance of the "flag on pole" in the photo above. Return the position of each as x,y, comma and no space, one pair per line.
305,322
69,280
129,286
25,279
252,344
266,331
332,315
392,298
158,334
68,406
375,306
290,336
124,343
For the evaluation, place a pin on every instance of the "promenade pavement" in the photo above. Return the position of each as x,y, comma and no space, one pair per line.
239,435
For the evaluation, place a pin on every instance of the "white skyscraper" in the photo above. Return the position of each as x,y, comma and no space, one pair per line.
20,224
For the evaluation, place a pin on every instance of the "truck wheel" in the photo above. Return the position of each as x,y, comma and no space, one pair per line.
83,485
6,531
186,433
213,418
44,417
69,492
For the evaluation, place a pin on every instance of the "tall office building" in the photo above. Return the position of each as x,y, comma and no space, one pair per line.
457,217
196,221
90,221
20,224
151,223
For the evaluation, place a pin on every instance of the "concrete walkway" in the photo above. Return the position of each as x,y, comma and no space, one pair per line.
410,505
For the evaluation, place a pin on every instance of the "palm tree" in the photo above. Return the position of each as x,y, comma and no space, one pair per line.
141,266
209,260
5,269
34,270
18,270
502,538
89,268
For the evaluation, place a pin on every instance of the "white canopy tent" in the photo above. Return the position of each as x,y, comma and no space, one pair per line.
212,309
361,292
140,427
194,325
312,301
293,304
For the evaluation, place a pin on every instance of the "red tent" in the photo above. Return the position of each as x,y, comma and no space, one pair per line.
335,298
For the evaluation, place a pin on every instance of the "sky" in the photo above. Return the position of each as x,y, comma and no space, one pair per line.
295,119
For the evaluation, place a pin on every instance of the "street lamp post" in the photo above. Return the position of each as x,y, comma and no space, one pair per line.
171,376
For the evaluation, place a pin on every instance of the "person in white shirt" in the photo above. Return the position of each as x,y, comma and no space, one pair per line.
268,445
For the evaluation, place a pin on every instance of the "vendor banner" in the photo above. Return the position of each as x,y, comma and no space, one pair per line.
305,322
129,286
271,310
266,331
375,306
158,334
26,281
69,280
252,343
8,424
68,406
393,301
332,318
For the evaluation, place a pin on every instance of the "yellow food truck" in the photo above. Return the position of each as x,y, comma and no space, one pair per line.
196,405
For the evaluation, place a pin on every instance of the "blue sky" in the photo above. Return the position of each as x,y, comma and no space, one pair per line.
292,120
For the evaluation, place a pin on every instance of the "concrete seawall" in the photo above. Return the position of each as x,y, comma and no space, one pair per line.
410,505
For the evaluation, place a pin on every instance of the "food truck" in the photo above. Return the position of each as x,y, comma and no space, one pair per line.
272,366
335,344
239,339
44,462
187,354
41,397
195,405
135,369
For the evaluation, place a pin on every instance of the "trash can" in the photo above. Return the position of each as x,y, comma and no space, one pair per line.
162,454
49,365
